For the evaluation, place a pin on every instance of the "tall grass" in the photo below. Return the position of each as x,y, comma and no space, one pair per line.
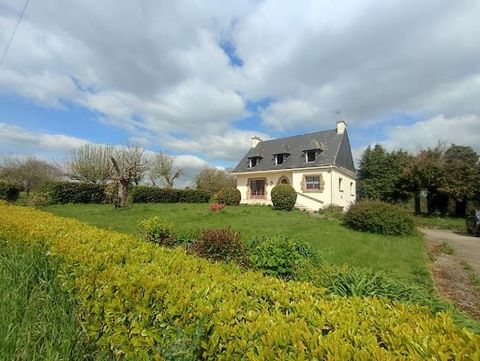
37,316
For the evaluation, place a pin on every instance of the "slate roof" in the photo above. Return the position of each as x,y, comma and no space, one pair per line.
334,149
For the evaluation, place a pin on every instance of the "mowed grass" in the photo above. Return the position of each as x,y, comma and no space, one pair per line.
403,257
448,223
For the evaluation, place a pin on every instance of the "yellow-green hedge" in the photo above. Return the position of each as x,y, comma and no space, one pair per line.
134,297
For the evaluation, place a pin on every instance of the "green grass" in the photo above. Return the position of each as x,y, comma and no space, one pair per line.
37,317
447,223
403,257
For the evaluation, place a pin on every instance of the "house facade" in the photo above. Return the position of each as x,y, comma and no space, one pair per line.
319,166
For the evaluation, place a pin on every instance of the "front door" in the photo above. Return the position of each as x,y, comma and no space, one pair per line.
257,189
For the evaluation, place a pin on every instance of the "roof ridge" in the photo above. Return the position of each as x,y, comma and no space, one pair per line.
298,135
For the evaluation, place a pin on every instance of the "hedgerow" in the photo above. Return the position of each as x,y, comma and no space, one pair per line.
74,192
142,301
145,194
8,192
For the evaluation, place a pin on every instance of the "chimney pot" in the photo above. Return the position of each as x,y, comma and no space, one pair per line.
255,140
341,127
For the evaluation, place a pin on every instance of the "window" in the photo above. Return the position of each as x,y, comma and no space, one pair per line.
279,158
312,182
340,180
252,162
257,188
351,188
310,156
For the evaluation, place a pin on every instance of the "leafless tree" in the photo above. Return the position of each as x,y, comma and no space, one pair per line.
162,169
90,163
128,166
212,180
28,172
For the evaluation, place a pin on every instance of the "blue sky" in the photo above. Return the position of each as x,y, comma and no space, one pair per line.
199,79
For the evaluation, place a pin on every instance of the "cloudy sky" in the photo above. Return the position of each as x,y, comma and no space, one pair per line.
199,78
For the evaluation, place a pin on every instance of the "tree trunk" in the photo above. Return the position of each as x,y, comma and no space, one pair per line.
416,198
122,194
430,203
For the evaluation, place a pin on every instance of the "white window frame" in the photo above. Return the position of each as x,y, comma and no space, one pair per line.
314,156
276,159
340,184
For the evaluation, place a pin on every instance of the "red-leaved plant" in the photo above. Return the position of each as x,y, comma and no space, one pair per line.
215,207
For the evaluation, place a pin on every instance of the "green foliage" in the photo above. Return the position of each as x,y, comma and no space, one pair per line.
449,223
145,194
38,200
72,192
283,197
134,297
38,320
332,211
228,196
282,257
221,244
9,192
379,174
157,230
380,217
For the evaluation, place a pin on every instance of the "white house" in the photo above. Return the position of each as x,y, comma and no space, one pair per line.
319,166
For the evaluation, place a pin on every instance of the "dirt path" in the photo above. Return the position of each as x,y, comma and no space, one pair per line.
450,250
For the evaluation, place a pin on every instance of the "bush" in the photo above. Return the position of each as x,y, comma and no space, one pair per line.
9,192
157,230
136,299
145,194
282,257
228,196
215,207
380,217
222,244
72,192
283,197
39,200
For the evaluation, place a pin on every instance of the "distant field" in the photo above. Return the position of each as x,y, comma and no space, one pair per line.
403,257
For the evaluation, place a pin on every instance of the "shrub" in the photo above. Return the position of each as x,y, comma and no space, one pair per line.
283,197
39,200
222,244
145,194
9,192
332,211
228,196
73,192
134,298
157,230
282,257
380,217
215,207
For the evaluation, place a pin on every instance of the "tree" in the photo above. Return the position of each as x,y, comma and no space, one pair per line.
90,163
212,180
162,168
128,166
462,176
426,172
380,172
28,173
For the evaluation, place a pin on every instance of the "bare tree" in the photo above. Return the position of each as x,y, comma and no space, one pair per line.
128,166
90,163
28,172
163,169
212,180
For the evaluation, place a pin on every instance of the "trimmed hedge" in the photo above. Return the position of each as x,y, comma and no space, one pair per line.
380,217
145,302
9,192
71,192
145,194
283,197
228,196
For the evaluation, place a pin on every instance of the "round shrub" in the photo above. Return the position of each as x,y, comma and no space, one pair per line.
284,197
380,217
9,192
228,196
157,230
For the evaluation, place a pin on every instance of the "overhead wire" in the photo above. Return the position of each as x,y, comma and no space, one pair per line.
14,31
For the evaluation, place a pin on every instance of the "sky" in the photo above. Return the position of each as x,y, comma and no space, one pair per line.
198,79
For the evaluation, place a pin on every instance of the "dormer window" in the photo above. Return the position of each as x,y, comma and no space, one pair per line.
310,156
253,161
280,158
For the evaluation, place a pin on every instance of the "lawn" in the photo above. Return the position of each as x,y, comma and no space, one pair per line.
448,223
403,257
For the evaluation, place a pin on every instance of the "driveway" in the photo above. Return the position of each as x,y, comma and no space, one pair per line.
466,246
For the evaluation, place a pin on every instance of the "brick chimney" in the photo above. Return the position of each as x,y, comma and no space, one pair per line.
255,140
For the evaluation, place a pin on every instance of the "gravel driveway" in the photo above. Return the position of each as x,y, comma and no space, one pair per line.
466,246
